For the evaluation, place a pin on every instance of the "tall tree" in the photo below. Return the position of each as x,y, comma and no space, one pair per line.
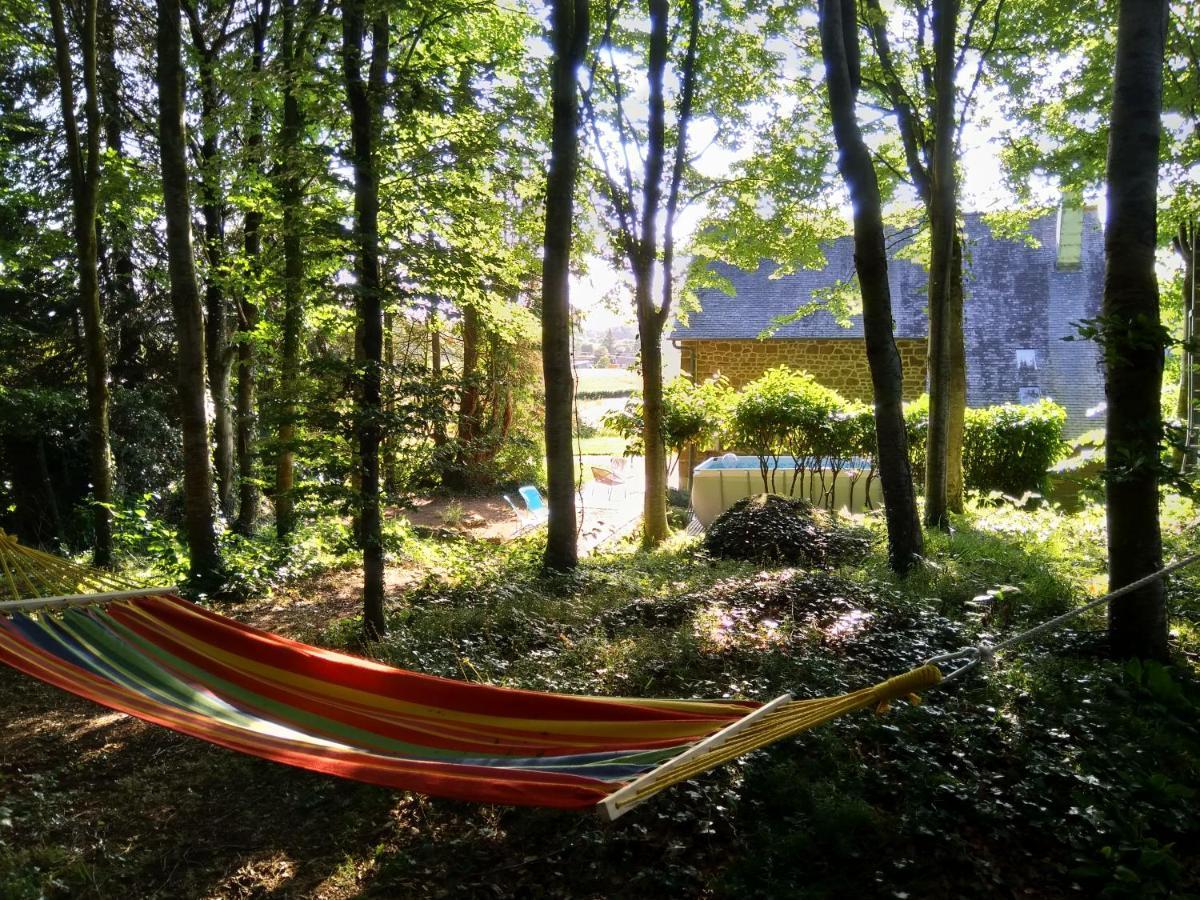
205,562
83,163
366,98
840,49
636,230
247,302
219,351
122,287
943,293
1132,335
1184,242
918,84
294,50
570,37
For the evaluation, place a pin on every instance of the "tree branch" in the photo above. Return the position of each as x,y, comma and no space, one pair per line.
984,55
685,115
912,129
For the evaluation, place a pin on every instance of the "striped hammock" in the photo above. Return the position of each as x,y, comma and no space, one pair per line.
151,654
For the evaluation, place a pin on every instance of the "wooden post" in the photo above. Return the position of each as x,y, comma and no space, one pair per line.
12,606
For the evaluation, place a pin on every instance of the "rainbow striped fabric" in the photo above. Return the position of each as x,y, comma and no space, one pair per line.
173,663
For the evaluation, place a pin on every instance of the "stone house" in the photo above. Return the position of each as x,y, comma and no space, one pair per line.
1023,297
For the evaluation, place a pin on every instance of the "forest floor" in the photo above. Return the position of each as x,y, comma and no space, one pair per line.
1059,773
605,512
487,518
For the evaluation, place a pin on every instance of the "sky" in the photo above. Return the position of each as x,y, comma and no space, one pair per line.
598,293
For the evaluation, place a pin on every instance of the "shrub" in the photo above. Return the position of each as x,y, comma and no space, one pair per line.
916,424
1009,448
1006,448
769,528
692,414
787,412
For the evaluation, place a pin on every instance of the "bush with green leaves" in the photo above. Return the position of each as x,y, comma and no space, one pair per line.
1007,448
916,425
786,412
692,414
1010,447
769,528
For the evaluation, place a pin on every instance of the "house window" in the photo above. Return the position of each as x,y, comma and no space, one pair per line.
1029,394
1026,359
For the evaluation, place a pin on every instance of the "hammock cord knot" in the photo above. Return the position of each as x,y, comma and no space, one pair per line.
909,685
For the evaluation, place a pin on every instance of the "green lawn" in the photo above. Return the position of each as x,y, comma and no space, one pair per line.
608,380
605,445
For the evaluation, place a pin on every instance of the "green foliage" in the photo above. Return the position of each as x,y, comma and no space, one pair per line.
771,529
152,550
147,542
916,427
604,384
692,414
1060,131
1007,448
788,412
488,462
1055,772
785,412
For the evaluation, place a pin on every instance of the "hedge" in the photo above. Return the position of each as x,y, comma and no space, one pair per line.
1006,448
787,412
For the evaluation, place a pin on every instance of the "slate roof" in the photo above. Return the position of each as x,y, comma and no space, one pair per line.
1018,298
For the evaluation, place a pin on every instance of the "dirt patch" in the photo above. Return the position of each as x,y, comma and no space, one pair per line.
486,518
303,608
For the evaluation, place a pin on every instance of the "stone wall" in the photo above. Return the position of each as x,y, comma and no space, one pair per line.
839,363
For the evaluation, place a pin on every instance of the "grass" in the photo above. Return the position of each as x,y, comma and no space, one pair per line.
610,382
606,445
1057,773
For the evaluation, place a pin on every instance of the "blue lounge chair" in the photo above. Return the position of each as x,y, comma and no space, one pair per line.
534,502
535,511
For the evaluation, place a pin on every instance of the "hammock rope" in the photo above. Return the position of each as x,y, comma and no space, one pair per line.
151,654
984,653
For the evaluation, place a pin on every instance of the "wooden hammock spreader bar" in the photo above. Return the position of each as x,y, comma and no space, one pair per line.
11,606
620,802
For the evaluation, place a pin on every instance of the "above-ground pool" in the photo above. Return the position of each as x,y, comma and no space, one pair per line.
720,482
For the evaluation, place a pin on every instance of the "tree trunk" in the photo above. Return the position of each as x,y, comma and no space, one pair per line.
1133,340
1184,458
185,301
570,23
388,449
923,152
468,410
366,101
219,354
291,195
654,509
48,489
957,397
839,45
435,366
654,503
942,239
84,166
123,303
216,336
247,514
471,403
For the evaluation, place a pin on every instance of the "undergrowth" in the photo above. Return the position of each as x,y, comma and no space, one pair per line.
1057,773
